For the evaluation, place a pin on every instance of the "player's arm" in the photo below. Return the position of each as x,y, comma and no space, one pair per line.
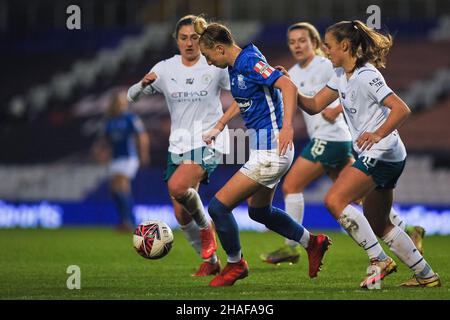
142,87
289,91
315,104
331,114
399,112
232,111
143,146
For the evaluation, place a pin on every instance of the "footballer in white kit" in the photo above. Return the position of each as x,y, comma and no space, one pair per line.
362,97
192,92
193,98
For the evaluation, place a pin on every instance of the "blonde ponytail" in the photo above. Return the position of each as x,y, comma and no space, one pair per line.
200,25
212,33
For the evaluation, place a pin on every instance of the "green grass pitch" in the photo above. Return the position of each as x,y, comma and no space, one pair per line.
33,265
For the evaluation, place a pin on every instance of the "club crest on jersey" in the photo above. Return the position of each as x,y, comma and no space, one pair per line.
206,78
263,69
241,82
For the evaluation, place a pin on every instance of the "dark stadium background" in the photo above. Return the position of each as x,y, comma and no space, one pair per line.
55,84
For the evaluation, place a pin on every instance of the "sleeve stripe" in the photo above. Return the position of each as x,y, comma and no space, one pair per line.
365,71
381,101
331,88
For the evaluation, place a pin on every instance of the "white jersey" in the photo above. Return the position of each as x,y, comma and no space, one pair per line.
362,98
309,81
193,98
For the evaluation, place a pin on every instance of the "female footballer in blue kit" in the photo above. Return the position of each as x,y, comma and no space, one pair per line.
129,142
373,112
256,88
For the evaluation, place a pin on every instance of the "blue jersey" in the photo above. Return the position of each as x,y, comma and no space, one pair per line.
260,103
121,132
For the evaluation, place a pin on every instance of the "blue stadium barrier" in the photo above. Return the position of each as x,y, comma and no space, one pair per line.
52,215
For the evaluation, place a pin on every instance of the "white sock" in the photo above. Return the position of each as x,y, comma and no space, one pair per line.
396,219
192,233
235,258
403,247
294,205
359,229
192,203
304,240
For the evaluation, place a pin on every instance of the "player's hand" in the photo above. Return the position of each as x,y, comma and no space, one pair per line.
211,135
283,71
149,78
330,114
285,138
367,140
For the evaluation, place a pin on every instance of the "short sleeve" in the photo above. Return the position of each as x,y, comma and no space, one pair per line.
333,82
260,72
375,85
327,71
224,79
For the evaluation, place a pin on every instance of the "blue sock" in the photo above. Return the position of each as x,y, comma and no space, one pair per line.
277,220
226,226
124,204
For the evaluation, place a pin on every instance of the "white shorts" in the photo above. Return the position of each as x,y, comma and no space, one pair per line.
267,167
124,166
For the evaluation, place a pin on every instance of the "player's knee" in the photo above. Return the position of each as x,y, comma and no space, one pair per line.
176,189
260,215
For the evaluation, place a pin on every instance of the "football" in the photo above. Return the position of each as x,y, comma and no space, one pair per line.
153,239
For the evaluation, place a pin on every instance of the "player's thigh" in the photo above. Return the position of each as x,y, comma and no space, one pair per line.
237,189
301,174
377,206
187,175
261,198
351,185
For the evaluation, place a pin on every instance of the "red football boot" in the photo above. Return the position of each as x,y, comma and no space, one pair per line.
209,244
230,274
317,247
208,269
